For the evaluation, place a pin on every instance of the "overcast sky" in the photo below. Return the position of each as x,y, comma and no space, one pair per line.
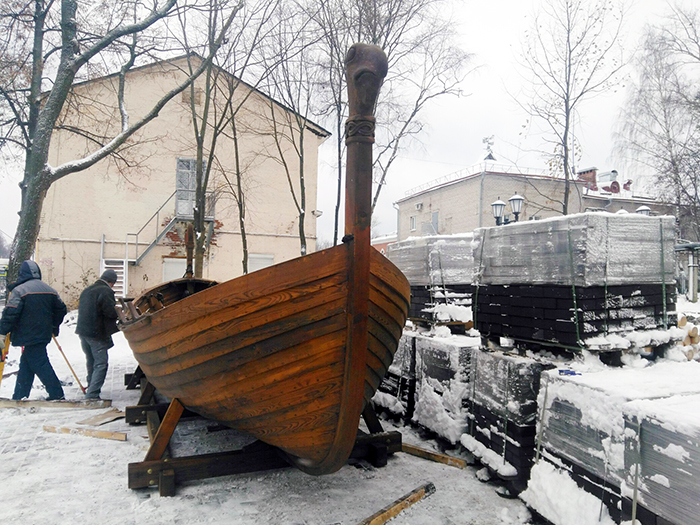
452,140
493,31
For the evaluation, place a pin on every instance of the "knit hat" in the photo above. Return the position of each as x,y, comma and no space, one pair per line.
109,276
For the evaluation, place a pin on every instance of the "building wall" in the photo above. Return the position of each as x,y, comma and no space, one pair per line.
464,205
109,200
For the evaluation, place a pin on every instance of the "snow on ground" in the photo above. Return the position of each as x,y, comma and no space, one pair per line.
58,478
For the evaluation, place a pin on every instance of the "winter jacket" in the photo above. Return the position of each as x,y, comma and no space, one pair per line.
34,311
97,315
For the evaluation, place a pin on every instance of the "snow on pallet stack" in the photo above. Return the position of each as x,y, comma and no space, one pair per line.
589,443
628,437
502,408
485,400
567,282
429,381
439,269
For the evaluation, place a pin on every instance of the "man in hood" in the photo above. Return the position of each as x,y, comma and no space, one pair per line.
97,321
33,314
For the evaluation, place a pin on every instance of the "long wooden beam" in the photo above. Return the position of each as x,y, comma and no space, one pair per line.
63,403
102,434
433,456
395,508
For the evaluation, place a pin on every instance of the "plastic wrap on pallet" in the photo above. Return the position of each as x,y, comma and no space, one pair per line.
507,385
444,359
443,375
605,249
435,260
396,392
662,436
404,359
583,414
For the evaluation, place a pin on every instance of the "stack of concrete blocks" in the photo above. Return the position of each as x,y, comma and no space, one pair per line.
397,391
662,459
439,269
502,408
430,379
591,427
455,389
564,280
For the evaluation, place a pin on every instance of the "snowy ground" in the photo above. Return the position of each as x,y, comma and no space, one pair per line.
57,478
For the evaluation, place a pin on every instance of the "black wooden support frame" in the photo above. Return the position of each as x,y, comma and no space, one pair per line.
160,470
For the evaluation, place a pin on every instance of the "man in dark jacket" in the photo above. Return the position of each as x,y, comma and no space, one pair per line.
33,315
97,321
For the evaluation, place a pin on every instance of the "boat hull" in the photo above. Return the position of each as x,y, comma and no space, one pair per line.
270,353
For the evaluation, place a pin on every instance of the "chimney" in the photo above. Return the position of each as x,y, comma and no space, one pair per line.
588,177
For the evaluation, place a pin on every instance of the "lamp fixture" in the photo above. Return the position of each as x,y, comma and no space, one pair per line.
516,204
498,207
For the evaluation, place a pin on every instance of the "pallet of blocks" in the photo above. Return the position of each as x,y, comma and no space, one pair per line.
584,431
563,316
443,366
502,409
439,269
662,460
576,282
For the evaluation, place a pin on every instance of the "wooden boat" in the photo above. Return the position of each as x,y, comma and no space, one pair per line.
292,353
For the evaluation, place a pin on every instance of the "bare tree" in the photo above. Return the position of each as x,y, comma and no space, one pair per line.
220,95
294,83
571,53
660,122
75,38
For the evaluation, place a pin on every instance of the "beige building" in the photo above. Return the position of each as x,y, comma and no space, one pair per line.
462,202
130,213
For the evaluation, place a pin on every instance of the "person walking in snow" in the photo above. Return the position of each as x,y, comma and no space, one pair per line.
33,315
97,321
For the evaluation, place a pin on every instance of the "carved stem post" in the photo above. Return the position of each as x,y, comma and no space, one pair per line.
366,67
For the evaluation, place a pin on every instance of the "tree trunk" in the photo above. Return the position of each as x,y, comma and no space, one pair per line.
339,158
241,197
302,192
28,227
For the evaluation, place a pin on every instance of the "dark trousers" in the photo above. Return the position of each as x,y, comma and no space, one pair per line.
35,362
96,360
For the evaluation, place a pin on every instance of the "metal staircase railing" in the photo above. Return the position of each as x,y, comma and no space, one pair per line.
155,221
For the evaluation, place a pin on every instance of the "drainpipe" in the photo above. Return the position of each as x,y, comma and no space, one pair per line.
692,276
481,193
398,235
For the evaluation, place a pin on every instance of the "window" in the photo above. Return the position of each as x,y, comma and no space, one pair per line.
434,222
412,223
174,268
258,261
186,186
